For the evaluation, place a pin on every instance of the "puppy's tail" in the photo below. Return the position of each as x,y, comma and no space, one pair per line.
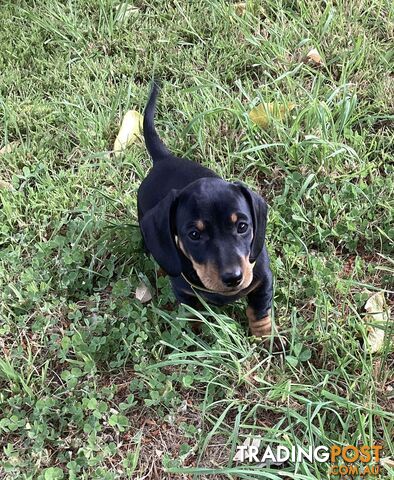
155,146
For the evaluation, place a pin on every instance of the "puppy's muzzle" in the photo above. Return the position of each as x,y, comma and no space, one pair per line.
232,278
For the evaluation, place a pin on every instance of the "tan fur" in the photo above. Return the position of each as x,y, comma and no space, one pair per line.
247,269
200,225
259,327
209,275
210,278
234,217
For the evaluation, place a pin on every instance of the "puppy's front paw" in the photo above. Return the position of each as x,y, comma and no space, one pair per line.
259,327
262,329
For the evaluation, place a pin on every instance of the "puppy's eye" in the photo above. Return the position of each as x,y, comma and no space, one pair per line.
242,227
194,235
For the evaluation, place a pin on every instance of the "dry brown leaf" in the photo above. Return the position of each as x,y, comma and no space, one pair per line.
314,56
240,8
142,293
377,312
263,113
129,130
9,147
5,185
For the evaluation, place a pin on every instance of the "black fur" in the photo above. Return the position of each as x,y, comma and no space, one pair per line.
174,195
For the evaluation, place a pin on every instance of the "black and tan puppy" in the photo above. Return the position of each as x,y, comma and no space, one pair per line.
206,233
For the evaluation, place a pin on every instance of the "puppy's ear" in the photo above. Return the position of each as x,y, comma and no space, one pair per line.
259,209
158,232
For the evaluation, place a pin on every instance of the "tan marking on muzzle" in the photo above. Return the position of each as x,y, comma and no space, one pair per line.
247,270
207,272
209,276
259,327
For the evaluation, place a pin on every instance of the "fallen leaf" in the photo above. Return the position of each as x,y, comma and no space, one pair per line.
183,407
130,129
263,113
5,185
240,8
142,293
377,312
387,462
241,454
9,147
256,442
314,56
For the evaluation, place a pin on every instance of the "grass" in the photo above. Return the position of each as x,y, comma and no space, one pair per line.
96,385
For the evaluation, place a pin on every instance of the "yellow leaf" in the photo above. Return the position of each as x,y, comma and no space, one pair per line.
263,113
377,312
314,56
130,129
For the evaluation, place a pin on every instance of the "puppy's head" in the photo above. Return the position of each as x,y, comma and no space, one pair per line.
218,226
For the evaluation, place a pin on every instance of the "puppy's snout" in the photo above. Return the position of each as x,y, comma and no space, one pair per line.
232,278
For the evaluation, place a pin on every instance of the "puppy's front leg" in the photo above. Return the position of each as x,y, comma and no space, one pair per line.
260,326
259,308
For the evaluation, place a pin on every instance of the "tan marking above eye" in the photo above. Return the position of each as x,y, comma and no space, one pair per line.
200,225
234,217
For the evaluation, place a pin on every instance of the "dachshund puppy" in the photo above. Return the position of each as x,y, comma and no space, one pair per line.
206,233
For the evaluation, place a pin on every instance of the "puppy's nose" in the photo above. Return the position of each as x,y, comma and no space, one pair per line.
233,278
